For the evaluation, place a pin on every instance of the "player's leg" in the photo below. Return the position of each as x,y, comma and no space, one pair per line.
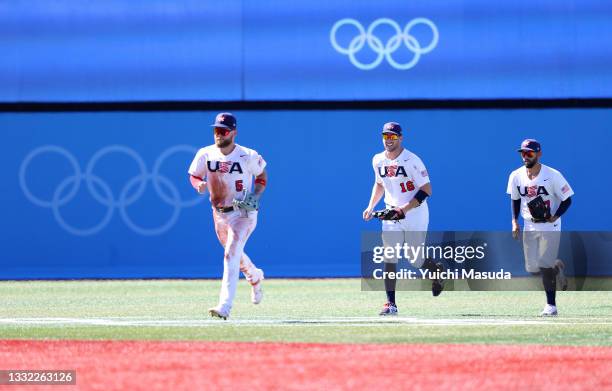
250,271
221,229
415,234
391,237
252,274
548,252
530,251
536,248
238,230
415,227
231,272
417,239
247,267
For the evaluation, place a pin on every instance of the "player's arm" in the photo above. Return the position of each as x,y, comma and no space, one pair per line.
197,171
419,197
250,201
515,204
261,181
564,191
377,193
421,179
198,183
516,209
563,207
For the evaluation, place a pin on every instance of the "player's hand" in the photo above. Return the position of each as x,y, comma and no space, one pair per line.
516,229
552,219
367,214
249,202
202,187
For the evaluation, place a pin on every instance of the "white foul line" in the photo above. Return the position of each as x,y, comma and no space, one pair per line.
328,321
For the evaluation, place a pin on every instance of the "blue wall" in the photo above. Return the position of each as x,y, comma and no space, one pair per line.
117,50
320,172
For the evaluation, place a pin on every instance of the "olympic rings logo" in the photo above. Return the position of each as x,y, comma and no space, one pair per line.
101,192
384,50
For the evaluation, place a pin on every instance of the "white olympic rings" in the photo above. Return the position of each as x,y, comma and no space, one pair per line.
101,192
384,50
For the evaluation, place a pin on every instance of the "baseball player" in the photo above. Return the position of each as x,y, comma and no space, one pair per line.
536,191
402,178
227,169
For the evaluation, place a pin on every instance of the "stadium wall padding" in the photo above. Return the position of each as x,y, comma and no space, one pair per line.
240,50
106,195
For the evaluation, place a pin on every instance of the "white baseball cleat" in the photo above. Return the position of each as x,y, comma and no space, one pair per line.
561,278
256,289
218,312
549,310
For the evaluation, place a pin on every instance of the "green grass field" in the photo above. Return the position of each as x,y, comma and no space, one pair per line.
327,310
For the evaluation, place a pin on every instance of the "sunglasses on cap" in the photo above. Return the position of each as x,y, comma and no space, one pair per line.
528,154
390,136
222,131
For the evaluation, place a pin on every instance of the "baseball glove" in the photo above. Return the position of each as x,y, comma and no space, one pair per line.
539,210
250,202
389,214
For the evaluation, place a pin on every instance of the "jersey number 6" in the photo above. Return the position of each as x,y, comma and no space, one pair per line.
239,186
408,186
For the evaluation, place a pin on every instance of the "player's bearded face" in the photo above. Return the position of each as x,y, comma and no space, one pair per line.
529,158
391,143
224,137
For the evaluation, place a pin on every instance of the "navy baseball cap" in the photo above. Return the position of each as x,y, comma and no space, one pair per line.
225,120
392,127
530,145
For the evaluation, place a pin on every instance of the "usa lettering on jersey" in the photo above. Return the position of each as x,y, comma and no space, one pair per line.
392,171
532,191
224,167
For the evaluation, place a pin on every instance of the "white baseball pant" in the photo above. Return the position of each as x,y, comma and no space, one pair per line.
411,230
233,230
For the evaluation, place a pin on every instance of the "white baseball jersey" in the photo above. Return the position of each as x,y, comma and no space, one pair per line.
237,169
401,177
549,184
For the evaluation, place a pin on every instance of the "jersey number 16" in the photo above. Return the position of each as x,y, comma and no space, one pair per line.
408,186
